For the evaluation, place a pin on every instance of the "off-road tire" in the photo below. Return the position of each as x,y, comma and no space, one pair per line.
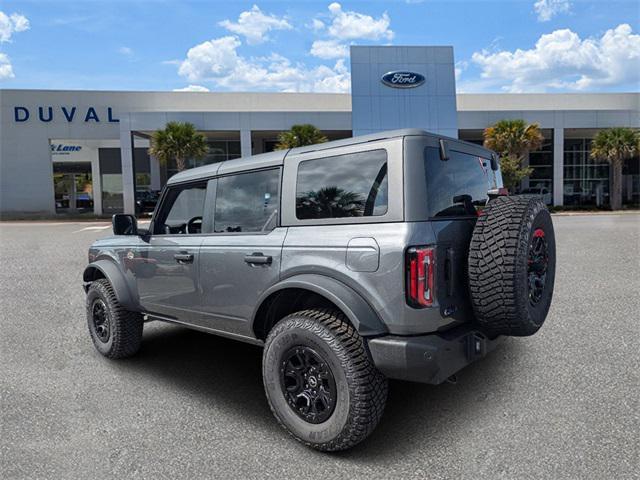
361,388
125,326
498,262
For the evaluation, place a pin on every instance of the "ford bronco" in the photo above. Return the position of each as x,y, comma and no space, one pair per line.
392,255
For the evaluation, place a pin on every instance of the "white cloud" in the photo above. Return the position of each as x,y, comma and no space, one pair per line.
329,49
192,88
348,25
316,25
561,60
345,26
460,67
254,25
126,51
6,70
213,58
10,24
218,61
547,9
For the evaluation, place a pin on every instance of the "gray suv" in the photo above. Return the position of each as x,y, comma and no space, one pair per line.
393,255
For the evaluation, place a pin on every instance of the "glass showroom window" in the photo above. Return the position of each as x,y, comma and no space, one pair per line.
219,151
111,180
631,182
541,179
586,181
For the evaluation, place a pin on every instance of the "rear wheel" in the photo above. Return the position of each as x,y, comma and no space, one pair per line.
115,331
512,265
320,382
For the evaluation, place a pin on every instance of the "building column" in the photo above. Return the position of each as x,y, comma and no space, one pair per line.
558,166
96,183
128,180
245,143
154,170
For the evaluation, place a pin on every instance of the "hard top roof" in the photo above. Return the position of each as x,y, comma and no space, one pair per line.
275,158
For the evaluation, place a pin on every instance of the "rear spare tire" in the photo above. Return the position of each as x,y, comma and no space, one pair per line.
512,264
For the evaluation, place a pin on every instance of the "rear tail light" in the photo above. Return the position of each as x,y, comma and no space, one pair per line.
420,276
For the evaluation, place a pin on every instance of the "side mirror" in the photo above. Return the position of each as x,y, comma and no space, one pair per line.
124,224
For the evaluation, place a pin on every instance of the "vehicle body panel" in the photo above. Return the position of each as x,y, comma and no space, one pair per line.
229,285
357,262
167,285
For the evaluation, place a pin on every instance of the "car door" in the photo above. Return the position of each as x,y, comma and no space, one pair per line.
241,258
166,267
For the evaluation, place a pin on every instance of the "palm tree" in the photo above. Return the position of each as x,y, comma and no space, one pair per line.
300,136
513,140
615,145
178,141
329,202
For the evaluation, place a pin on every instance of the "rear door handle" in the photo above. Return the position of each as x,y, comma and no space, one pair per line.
183,258
258,258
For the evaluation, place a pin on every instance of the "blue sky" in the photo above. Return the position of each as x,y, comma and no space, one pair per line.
500,46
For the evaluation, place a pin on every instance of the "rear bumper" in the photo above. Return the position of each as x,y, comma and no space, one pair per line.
429,358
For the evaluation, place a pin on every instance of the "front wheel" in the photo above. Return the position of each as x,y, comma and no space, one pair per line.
115,331
320,382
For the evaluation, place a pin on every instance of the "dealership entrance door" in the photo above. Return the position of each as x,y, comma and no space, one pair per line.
73,187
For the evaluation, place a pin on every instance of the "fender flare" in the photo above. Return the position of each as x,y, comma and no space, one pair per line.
363,317
116,278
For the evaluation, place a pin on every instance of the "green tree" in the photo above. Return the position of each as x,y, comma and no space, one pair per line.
513,140
331,202
300,136
178,141
615,145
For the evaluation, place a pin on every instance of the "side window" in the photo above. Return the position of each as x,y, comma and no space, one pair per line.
457,186
247,202
351,185
182,210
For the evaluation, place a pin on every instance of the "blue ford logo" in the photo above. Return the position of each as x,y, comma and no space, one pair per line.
400,79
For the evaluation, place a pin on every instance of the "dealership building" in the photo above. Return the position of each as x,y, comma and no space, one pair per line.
86,151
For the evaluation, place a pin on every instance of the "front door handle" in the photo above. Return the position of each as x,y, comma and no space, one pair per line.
183,258
258,258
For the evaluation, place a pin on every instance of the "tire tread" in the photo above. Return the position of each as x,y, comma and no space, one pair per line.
126,326
497,264
368,387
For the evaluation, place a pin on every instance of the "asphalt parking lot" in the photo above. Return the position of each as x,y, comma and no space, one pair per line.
561,404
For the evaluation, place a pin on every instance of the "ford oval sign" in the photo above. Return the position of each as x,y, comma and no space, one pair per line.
402,79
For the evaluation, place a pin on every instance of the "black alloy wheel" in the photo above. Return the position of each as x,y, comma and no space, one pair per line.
537,266
101,323
308,384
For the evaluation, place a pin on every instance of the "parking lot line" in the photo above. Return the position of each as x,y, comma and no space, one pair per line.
100,227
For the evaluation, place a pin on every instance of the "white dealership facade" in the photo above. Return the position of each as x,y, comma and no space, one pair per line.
69,151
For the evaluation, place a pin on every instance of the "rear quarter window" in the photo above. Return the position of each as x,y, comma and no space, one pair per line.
350,185
456,187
